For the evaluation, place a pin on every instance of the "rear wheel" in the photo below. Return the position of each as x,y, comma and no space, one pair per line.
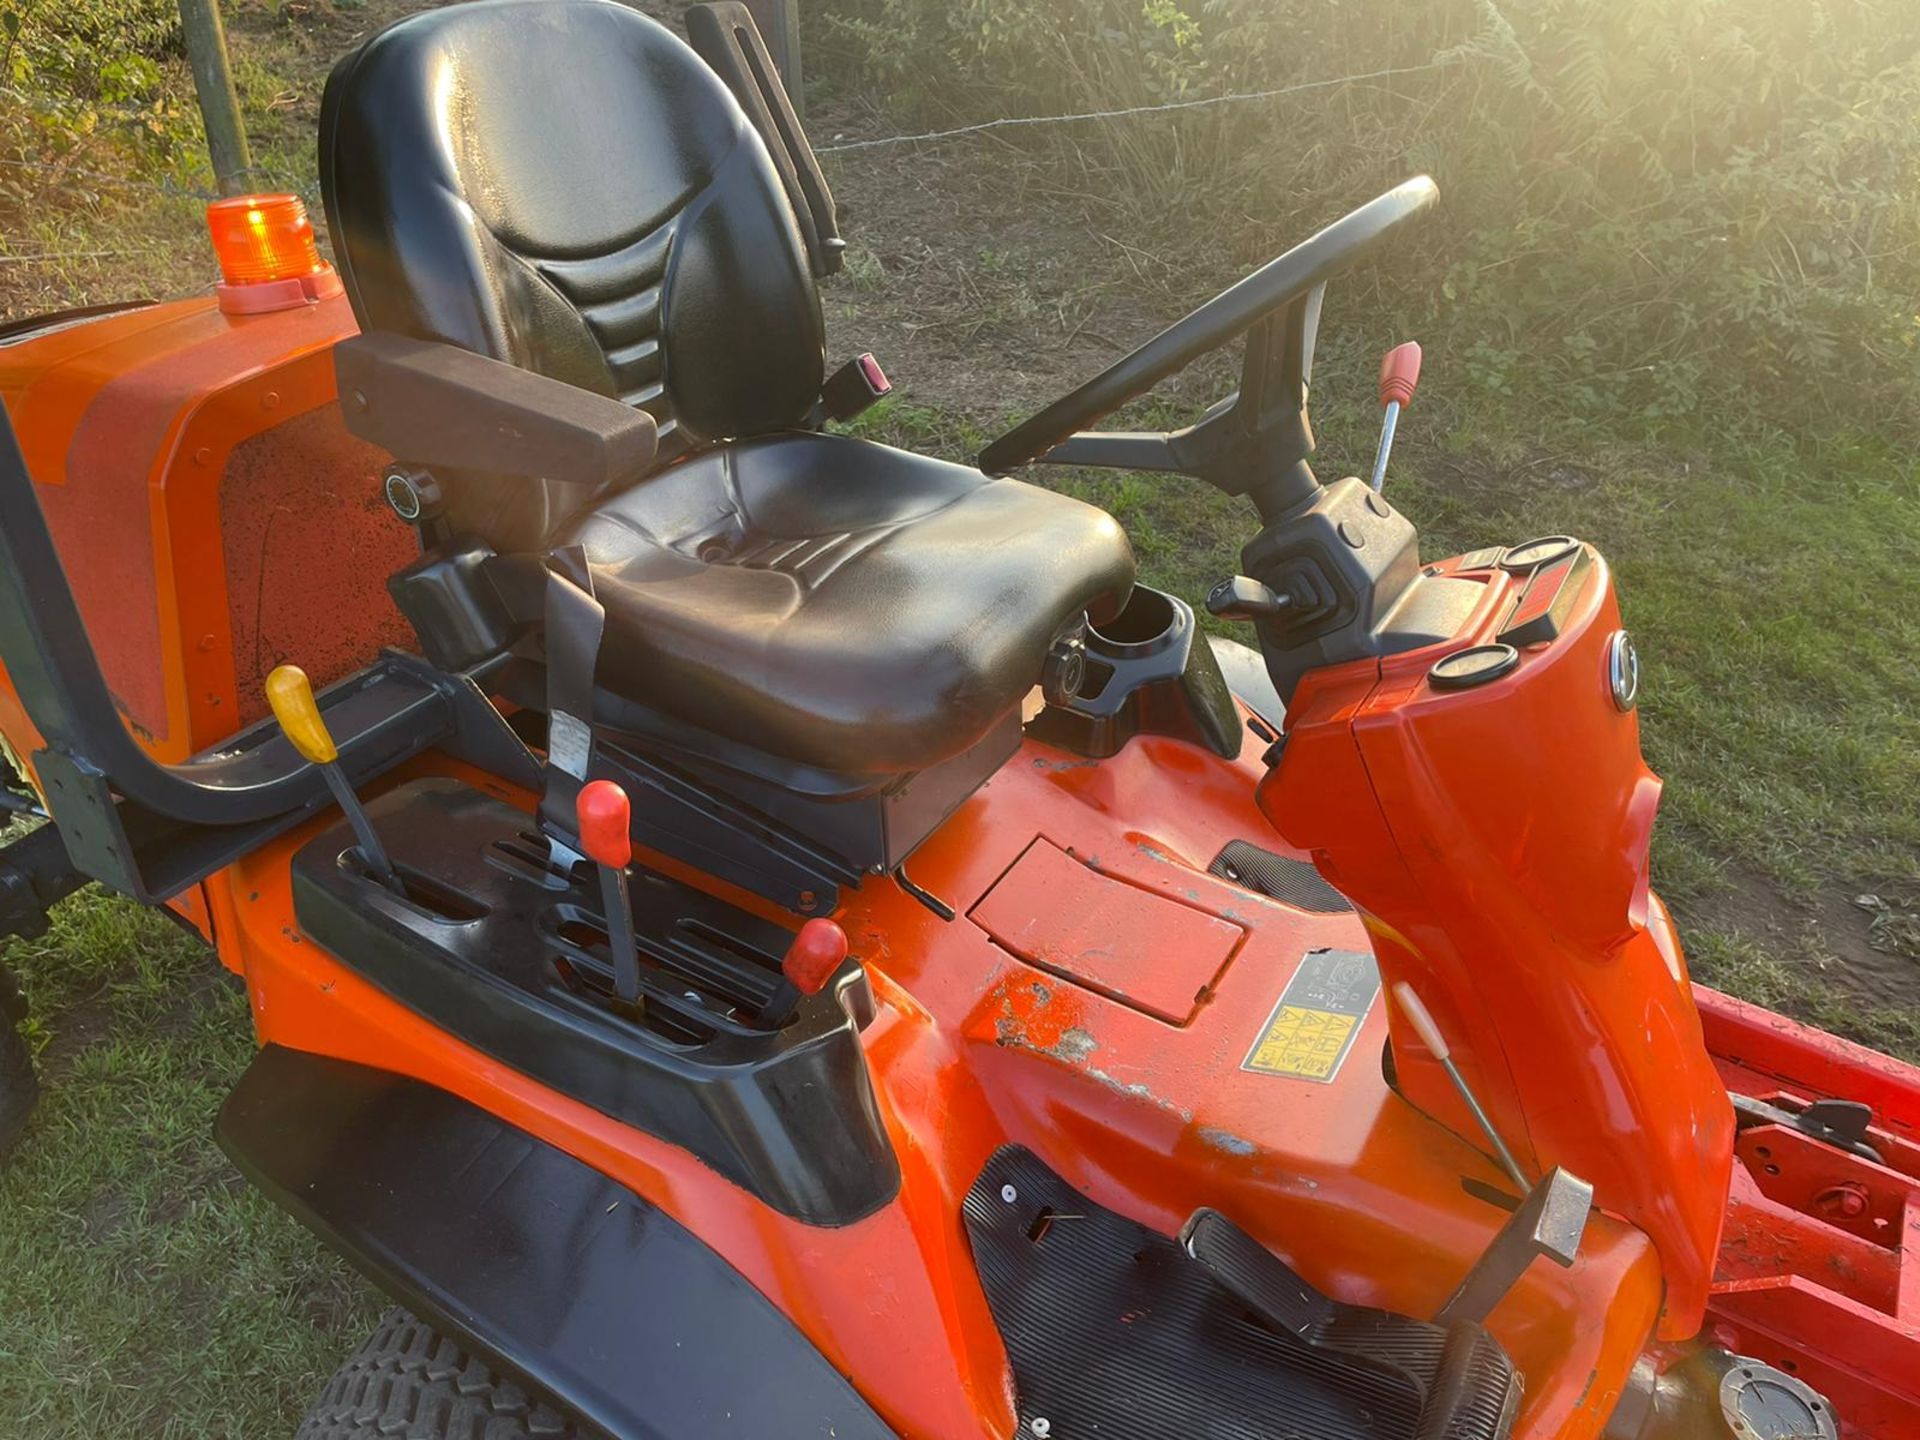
19,1085
408,1382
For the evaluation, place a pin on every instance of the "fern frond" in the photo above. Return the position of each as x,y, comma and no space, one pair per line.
1582,80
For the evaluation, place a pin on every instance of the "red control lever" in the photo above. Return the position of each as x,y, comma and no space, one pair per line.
606,824
1399,373
815,954
605,817
814,958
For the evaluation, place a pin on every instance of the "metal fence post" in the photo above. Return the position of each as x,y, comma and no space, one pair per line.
219,101
779,25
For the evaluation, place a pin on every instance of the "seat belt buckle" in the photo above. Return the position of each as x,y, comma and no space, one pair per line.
855,387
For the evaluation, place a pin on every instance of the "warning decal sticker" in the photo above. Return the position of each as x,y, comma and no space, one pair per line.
1313,1026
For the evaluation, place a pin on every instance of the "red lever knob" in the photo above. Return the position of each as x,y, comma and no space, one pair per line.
1399,373
813,957
606,824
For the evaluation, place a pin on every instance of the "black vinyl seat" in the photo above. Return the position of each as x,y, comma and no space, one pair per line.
840,603
566,186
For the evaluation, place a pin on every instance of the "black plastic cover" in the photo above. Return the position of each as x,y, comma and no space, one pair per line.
1351,564
755,831
452,410
457,615
506,954
531,1258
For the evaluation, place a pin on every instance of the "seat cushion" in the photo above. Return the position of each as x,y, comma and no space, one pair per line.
838,603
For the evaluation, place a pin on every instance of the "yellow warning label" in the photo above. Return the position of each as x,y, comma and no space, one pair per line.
1307,1043
1317,1017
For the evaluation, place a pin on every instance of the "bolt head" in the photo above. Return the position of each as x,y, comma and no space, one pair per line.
1845,1201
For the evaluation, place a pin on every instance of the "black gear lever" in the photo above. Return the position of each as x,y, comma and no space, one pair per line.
1240,598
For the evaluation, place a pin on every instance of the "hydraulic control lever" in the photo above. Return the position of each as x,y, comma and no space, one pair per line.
814,957
290,695
605,818
1399,373
1550,1218
1421,1018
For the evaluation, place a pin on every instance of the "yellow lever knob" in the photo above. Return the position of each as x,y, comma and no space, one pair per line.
291,697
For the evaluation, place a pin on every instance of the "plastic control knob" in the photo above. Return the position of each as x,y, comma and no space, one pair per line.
606,824
1399,374
815,955
290,695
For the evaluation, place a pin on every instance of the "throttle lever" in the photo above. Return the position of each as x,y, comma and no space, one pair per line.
290,696
1399,374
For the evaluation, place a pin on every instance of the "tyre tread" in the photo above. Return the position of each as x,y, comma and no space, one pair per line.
410,1383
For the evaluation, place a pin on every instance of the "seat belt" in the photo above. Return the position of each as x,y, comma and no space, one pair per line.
575,622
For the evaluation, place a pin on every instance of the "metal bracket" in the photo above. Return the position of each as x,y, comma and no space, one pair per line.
1843,1124
1549,1222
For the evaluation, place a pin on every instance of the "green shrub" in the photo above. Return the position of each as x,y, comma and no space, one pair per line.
83,81
1672,212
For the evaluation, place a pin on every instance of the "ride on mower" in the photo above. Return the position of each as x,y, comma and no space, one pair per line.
758,933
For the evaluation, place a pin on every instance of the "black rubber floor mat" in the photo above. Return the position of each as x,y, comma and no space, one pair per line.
1114,1332
1278,877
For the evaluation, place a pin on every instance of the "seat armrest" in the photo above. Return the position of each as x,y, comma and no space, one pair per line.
444,408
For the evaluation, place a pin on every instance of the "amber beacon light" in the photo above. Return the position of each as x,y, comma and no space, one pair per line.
267,254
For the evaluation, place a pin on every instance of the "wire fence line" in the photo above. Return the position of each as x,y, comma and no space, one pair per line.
57,256
172,188
165,185
1206,102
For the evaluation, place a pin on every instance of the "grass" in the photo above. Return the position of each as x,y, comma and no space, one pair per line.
145,1291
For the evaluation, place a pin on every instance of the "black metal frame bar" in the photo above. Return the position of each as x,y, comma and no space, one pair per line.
149,829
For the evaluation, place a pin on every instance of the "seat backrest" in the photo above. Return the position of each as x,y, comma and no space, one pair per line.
565,185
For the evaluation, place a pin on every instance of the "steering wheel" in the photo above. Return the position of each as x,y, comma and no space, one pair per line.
1255,441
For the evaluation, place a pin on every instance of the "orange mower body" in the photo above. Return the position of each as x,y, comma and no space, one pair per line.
1147,959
